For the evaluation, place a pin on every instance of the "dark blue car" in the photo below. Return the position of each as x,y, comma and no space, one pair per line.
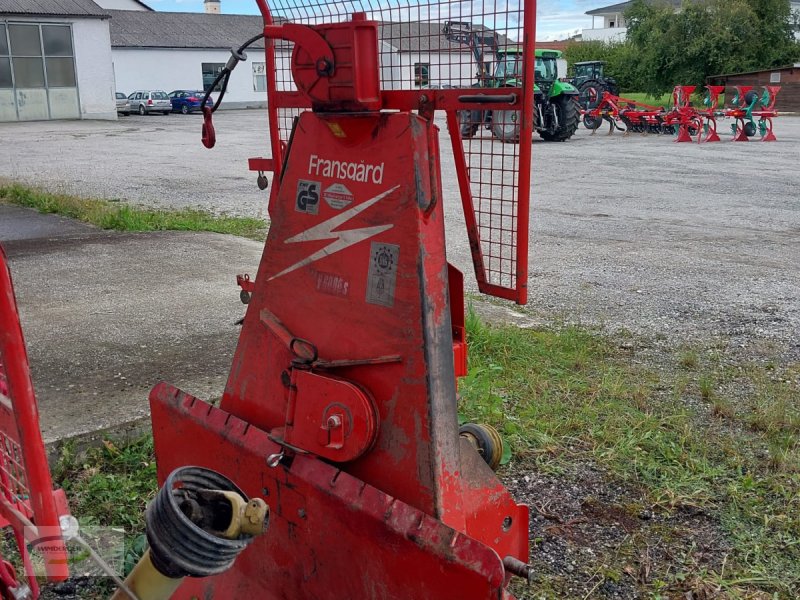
186,101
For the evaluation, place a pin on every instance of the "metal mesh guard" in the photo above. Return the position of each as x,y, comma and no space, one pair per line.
13,479
415,55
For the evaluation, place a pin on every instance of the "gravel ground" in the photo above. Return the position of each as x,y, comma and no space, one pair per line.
679,241
593,537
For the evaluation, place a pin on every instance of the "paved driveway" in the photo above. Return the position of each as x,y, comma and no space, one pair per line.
674,240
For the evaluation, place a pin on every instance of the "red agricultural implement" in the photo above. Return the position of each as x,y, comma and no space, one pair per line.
28,503
340,409
752,114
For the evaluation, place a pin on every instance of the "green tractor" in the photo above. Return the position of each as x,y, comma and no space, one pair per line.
592,82
556,111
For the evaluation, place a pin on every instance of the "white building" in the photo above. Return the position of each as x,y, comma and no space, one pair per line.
55,61
171,51
609,25
122,5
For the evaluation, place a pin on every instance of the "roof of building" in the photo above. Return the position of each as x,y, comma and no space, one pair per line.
49,8
145,29
556,45
772,70
140,29
621,7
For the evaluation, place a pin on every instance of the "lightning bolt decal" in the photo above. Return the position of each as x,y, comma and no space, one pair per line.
342,239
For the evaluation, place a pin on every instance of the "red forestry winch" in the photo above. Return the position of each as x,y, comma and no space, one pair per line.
340,409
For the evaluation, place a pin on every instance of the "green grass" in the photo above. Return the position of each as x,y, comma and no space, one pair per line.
569,395
662,100
119,216
110,485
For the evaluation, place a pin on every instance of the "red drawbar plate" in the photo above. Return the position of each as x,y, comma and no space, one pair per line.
330,535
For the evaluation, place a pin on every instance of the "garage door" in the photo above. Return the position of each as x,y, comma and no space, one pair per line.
37,72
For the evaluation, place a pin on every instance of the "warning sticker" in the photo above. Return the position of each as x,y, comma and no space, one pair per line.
382,273
307,196
337,196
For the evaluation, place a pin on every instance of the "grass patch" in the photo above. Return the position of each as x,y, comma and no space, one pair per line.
569,394
119,216
662,100
110,485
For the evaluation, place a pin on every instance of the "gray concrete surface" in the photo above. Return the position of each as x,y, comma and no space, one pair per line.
107,315
675,240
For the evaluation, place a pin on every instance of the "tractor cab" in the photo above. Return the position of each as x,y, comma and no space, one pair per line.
546,69
590,69
509,67
592,81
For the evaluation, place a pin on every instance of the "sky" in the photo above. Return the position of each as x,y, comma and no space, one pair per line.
556,19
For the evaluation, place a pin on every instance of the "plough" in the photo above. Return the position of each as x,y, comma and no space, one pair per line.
752,113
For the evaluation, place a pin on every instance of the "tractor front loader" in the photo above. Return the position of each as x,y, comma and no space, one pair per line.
556,113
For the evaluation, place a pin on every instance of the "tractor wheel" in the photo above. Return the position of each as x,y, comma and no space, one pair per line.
568,119
505,125
591,93
470,121
591,122
750,129
750,98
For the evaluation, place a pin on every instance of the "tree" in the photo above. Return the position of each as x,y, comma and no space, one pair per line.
619,57
707,37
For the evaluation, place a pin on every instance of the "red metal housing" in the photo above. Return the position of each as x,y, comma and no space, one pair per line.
340,408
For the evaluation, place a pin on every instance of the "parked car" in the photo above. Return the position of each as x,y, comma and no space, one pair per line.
146,101
186,101
123,106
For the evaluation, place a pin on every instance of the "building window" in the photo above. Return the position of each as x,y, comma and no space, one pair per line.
26,52
210,72
59,61
421,73
5,62
259,77
775,77
42,56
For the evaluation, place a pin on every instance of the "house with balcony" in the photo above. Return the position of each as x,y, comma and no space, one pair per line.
608,22
609,25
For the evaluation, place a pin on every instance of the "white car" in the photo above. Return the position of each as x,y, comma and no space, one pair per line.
148,101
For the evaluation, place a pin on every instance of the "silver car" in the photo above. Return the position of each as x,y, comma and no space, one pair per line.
123,106
147,101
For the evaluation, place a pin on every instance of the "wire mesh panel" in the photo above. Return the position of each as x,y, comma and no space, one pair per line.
443,55
13,480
